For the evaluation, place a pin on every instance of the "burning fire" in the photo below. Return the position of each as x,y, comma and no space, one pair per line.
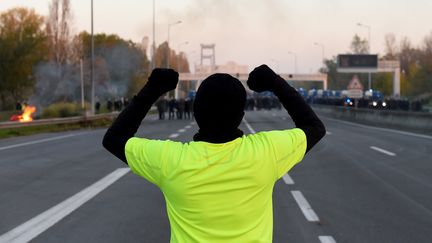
26,116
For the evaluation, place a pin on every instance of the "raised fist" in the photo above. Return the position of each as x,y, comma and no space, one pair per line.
262,78
162,80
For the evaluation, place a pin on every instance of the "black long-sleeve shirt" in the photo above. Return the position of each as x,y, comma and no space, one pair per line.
129,120
301,113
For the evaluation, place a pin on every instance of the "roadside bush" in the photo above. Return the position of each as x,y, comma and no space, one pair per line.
62,109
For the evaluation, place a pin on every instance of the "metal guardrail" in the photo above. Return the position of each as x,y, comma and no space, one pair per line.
66,120
52,121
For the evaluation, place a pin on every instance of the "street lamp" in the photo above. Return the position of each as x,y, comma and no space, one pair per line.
369,35
168,39
295,60
92,65
322,48
369,51
153,63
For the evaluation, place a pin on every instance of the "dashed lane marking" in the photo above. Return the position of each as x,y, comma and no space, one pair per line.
305,207
328,133
383,151
182,130
249,126
287,179
188,126
35,226
326,239
174,135
41,141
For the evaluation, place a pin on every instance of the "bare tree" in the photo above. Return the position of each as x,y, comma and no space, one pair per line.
58,31
391,47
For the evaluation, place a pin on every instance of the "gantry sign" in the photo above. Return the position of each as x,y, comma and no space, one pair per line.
365,63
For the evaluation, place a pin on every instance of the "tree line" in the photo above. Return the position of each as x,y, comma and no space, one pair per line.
43,63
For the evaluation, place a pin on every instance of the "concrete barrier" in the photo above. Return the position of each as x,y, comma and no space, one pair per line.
420,122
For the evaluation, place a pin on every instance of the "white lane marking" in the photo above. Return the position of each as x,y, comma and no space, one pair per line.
193,123
188,126
383,151
35,226
288,180
274,114
174,135
41,141
305,207
328,133
326,239
381,129
181,130
248,126
284,118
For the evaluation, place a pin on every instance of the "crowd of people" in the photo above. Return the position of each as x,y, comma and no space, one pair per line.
176,108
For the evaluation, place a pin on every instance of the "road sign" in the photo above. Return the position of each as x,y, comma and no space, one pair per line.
355,88
355,94
357,61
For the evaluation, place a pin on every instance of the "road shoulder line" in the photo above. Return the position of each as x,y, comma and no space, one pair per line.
35,226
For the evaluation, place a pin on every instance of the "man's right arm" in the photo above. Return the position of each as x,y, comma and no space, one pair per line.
263,78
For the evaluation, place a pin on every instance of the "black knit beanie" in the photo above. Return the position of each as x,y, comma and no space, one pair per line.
219,108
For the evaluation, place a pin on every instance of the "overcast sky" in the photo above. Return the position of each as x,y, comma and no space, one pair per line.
252,32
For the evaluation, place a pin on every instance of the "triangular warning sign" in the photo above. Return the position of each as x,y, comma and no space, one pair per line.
355,83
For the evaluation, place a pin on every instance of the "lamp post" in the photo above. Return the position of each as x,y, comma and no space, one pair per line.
369,35
153,62
168,39
295,60
92,65
322,49
369,51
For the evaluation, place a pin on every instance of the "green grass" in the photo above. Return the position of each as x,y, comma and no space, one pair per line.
24,131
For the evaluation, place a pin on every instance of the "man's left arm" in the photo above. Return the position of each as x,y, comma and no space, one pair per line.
129,120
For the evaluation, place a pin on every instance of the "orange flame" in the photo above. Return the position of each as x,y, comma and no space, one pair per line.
26,116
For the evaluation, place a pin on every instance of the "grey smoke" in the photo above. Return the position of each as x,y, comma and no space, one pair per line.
113,71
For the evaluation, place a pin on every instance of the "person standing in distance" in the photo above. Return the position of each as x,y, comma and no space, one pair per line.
218,188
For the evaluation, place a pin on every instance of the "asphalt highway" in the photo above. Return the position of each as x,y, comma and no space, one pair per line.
359,184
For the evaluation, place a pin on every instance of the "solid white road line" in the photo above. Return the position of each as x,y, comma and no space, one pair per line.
326,239
181,130
41,141
305,206
381,129
174,135
383,151
288,179
248,126
35,226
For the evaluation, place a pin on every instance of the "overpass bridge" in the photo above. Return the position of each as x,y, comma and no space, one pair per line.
199,77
